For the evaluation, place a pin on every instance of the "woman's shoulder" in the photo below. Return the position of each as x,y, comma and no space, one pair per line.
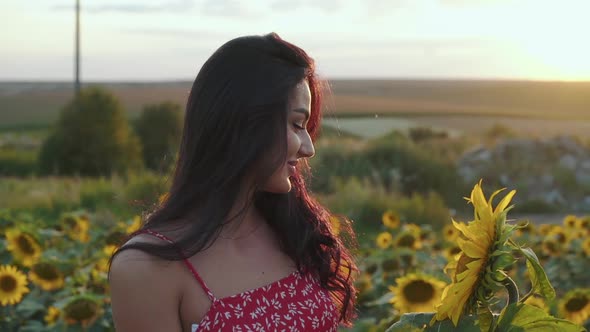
145,295
133,260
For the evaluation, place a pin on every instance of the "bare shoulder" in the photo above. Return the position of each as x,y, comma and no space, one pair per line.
144,292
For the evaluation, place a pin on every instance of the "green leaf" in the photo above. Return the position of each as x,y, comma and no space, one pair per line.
420,321
527,318
32,326
28,307
384,299
485,318
540,282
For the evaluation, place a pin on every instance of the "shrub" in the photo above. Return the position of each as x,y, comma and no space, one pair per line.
92,137
418,170
18,162
159,128
365,203
419,134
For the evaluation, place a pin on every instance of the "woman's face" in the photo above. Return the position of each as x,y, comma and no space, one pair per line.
299,143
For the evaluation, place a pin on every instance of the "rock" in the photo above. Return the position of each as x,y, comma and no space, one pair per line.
568,162
554,197
529,166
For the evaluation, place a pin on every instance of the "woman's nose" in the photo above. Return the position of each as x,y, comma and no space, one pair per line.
307,149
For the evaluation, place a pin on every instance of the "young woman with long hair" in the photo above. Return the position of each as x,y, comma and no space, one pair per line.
240,244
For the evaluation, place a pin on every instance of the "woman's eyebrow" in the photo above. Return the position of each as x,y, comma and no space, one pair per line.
302,111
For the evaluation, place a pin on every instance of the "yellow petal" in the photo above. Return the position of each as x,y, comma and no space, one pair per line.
504,202
473,249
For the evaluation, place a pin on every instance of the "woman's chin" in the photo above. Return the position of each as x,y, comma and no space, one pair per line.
279,188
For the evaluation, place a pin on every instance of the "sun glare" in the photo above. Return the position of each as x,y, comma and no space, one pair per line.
557,42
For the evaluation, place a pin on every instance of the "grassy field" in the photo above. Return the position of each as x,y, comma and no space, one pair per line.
34,105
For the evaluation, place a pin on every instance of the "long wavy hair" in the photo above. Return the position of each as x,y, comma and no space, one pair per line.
236,113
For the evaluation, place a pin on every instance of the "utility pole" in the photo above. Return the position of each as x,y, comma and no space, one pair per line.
77,66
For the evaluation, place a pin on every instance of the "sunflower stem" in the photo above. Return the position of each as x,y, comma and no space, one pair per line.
512,290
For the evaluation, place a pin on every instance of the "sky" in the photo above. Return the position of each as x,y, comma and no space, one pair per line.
153,40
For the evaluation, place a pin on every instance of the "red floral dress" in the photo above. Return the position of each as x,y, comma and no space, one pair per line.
294,303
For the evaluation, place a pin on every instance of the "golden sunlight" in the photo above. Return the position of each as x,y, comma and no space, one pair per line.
555,38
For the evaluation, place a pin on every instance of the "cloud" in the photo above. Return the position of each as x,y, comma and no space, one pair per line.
228,8
471,3
291,5
195,35
139,8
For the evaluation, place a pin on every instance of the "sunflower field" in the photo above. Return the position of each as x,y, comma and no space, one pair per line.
53,273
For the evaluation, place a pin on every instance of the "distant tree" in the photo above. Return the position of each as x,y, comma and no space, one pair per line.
92,137
159,128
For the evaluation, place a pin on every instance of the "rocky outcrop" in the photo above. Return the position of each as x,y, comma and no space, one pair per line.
553,171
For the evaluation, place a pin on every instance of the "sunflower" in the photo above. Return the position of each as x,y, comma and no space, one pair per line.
109,249
47,276
551,247
82,310
384,240
52,315
570,221
575,305
545,229
134,226
450,233
412,228
23,246
390,219
408,239
584,223
77,227
335,223
13,285
559,234
478,239
101,265
416,293
452,253
363,283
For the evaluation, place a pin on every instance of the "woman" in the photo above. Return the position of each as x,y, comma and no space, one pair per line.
239,244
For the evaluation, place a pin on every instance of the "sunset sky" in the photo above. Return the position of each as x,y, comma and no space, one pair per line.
169,40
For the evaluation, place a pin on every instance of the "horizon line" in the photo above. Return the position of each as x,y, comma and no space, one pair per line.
336,78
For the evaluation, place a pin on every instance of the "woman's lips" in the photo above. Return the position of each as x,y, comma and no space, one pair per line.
292,166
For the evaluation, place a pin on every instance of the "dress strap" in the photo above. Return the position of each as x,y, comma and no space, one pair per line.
186,262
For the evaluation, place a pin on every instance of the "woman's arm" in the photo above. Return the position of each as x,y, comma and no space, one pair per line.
144,296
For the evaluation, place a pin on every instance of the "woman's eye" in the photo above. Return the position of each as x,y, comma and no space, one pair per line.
298,126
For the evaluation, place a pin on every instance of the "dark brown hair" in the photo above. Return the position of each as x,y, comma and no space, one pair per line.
235,114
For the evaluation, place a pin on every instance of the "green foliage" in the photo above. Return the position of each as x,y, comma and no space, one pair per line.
92,137
100,195
418,170
159,128
365,203
428,209
419,322
522,318
419,134
18,162
392,162
535,206
498,130
143,190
